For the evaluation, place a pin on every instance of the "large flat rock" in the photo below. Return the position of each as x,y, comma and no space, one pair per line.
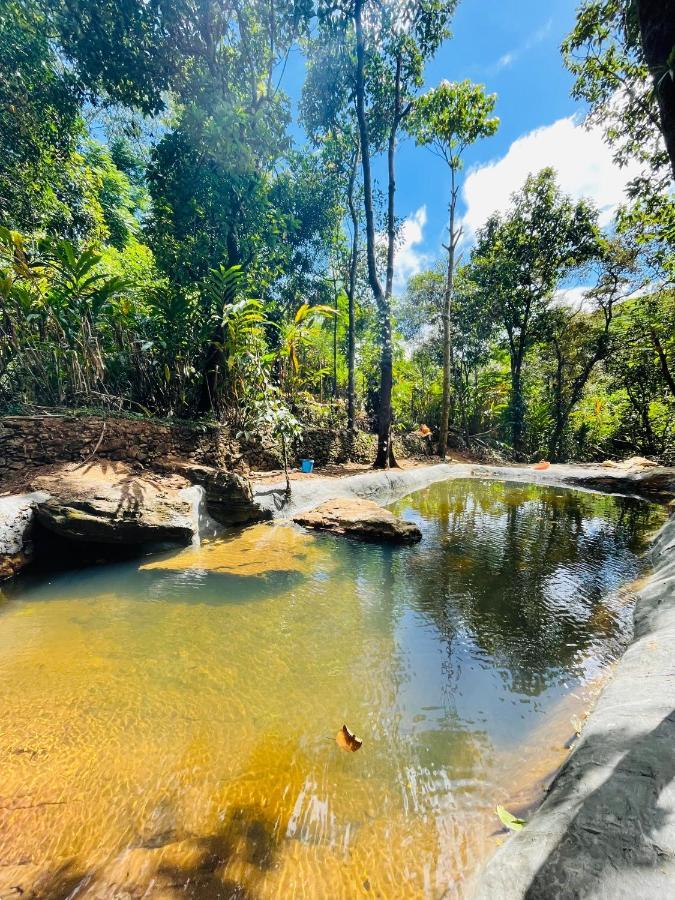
359,518
109,503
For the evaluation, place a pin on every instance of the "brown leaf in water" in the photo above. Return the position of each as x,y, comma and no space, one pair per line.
348,741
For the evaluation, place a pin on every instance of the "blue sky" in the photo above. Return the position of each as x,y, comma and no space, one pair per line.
513,47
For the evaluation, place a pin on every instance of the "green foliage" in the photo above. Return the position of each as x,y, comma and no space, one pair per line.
519,261
166,249
54,299
268,415
422,302
451,117
40,121
604,53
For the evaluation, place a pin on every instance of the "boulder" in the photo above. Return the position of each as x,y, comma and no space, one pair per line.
228,495
361,519
16,526
108,503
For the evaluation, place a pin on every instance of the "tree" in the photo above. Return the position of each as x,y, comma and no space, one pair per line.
419,309
392,41
328,114
604,53
657,33
635,366
519,261
269,415
449,119
40,121
579,339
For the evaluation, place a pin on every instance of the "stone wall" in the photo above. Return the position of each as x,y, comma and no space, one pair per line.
32,441
330,446
28,442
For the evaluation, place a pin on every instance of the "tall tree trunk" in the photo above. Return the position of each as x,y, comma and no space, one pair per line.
517,404
351,292
384,454
663,360
559,417
213,364
447,331
554,451
657,32
335,325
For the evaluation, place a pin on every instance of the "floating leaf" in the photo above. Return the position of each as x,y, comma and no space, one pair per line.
348,741
509,820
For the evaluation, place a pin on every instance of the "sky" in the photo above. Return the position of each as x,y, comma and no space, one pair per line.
513,48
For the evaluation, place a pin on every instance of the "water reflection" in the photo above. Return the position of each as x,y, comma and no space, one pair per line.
522,583
167,729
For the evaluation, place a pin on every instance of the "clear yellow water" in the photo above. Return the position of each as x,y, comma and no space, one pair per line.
167,727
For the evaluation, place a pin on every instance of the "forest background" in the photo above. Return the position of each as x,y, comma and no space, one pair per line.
199,213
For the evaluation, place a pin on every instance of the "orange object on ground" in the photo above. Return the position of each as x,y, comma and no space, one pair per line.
544,464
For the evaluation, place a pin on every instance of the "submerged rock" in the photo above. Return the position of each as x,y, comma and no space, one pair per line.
107,503
16,526
359,518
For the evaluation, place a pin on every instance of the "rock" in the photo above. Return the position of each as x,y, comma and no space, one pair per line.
359,518
635,462
228,495
16,521
108,503
654,483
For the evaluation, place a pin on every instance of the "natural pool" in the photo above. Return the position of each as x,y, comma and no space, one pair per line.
168,727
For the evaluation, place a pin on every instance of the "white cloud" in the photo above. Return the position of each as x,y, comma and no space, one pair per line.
572,297
409,259
580,156
513,55
506,60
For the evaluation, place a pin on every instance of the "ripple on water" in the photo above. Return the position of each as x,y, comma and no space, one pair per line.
168,728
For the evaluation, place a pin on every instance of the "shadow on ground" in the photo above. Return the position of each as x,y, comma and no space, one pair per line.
621,829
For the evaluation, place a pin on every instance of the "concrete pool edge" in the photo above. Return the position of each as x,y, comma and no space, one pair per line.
607,826
386,486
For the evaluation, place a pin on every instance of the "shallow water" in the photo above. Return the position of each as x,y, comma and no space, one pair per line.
168,727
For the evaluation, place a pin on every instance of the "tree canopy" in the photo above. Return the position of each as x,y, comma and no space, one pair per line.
174,241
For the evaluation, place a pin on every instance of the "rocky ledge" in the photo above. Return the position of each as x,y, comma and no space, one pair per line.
361,519
113,504
109,503
16,531
228,496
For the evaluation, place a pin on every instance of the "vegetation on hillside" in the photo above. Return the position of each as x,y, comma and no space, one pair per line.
167,247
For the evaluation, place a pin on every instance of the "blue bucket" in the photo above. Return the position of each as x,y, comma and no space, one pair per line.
307,465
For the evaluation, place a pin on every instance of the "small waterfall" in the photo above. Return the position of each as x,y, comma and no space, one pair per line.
205,526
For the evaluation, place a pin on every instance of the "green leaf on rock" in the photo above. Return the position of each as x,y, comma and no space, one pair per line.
509,820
